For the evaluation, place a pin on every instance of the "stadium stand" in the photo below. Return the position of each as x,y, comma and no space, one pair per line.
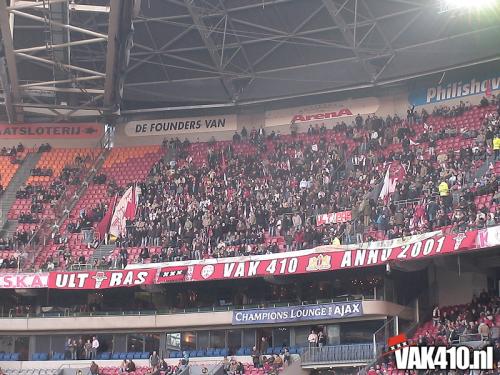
205,177
256,173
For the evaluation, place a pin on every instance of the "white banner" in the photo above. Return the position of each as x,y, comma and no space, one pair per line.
118,222
488,237
322,112
23,280
176,126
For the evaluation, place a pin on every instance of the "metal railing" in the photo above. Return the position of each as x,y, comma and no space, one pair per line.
67,312
355,353
49,226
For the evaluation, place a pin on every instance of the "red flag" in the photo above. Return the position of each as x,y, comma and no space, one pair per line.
131,205
488,88
103,225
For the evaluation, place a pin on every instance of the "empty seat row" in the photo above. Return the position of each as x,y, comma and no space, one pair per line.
9,356
124,355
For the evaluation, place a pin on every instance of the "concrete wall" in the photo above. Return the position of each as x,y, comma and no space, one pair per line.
27,365
371,309
455,288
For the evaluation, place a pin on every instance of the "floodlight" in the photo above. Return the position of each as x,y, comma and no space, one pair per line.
447,5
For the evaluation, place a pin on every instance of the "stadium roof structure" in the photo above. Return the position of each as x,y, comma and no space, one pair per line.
67,59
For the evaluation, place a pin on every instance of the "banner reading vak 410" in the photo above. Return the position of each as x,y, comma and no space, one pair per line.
176,126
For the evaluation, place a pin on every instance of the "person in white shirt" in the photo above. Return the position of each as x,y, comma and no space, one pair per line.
95,346
313,339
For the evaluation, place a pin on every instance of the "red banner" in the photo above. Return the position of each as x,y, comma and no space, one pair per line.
335,217
101,279
325,258
68,130
171,274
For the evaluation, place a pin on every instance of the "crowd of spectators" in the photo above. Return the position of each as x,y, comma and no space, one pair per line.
266,201
231,203
474,323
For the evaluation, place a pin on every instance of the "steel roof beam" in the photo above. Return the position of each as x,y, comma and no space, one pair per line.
112,49
211,47
10,88
58,24
349,36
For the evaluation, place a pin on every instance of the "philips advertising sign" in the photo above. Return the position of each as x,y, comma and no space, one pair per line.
454,90
290,314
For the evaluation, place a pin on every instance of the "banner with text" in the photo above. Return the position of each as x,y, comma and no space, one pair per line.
56,130
290,314
175,126
321,112
23,280
322,258
333,218
472,85
328,258
101,279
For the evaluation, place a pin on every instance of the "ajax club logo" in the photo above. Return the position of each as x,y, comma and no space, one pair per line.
319,263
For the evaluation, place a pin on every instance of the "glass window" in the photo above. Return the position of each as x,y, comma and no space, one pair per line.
152,342
135,343
233,340
281,337
105,343
58,343
301,335
217,339
173,341
188,341
332,334
248,338
6,344
42,344
202,340
358,332
22,346
120,343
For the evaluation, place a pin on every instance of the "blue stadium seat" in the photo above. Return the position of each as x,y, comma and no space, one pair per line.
35,357
210,352
216,352
173,354
44,357
129,355
248,351
224,352
115,356
269,350
122,355
144,355
240,351
200,353
192,353
105,355
2,356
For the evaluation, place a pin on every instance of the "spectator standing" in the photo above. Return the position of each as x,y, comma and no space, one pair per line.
95,347
94,368
87,349
255,357
313,339
154,359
